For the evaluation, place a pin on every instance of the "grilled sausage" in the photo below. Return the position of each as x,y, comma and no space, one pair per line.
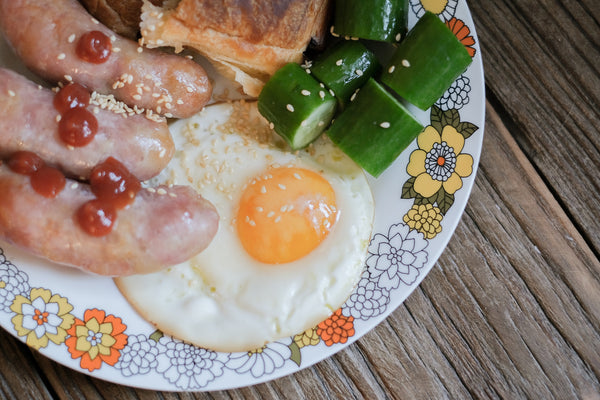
29,122
45,36
160,228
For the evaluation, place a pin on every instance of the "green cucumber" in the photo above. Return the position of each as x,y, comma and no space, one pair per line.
426,62
381,20
344,68
374,129
297,106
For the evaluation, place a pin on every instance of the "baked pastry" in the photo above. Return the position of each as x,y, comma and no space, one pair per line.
247,40
122,16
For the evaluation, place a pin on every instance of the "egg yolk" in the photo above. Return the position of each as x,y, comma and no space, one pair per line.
285,213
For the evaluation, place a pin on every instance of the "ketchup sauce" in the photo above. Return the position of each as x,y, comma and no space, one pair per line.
24,162
71,96
45,180
96,217
94,47
112,182
77,127
115,188
48,181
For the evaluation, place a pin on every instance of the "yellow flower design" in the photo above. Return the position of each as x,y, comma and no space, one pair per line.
307,338
438,161
424,218
42,317
445,8
434,6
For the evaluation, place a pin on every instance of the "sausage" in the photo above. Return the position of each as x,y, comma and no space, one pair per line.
29,122
45,35
162,227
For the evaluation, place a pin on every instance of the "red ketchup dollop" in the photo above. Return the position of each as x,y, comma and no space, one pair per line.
94,47
96,217
24,162
115,188
48,181
112,182
45,180
71,96
77,127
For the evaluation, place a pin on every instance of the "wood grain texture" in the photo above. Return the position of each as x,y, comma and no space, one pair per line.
541,66
510,311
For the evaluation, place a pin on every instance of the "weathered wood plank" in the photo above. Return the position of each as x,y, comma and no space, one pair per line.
18,378
541,64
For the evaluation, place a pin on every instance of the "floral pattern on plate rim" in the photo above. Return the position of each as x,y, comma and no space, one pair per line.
396,258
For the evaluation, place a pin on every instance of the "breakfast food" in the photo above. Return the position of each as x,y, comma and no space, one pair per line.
29,122
163,226
62,42
121,16
247,40
292,237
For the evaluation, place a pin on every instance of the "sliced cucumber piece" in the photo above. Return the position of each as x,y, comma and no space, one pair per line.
344,68
296,105
382,20
426,62
374,129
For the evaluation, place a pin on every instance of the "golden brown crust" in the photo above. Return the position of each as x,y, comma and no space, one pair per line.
248,40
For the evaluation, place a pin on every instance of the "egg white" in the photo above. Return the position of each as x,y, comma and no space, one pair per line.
223,299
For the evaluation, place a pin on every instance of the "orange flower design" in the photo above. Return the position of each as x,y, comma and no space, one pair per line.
96,339
463,33
336,329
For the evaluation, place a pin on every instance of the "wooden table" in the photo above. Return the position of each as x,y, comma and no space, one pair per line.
512,308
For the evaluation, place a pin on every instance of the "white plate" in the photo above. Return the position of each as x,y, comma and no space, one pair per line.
141,358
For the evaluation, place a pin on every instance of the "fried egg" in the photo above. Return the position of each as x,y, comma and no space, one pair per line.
293,232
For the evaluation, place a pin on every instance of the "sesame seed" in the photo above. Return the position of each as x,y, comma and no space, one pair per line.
71,38
140,49
305,92
308,71
405,63
58,117
358,72
283,208
95,21
252,223
321,94
303,123
271,125
339,62
391,69
331,92
61,56
290,107
280,186
74,185
259,209
11,93
271,214
263,189
116,49
171,194
151,190
69,78
277,219
137,97
161,191
384,125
